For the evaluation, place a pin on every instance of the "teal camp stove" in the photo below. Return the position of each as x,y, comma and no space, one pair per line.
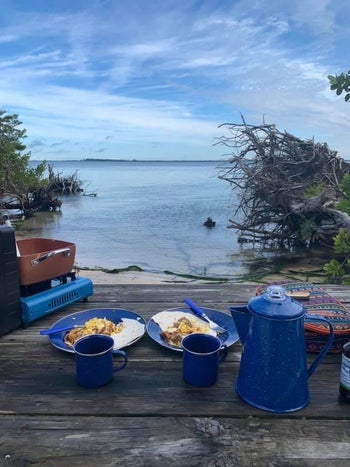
43,298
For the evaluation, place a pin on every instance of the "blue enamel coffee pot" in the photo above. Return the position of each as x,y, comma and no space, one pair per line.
273,373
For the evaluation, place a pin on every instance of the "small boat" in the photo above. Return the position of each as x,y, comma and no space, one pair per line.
90,194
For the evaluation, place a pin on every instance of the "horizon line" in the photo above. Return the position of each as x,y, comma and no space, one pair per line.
123,160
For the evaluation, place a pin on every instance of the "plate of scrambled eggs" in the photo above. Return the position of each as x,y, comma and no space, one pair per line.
169,327
125,327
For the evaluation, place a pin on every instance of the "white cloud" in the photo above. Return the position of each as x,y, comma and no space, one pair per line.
169,72
319,15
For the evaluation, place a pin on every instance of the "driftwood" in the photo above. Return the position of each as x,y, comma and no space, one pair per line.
274,174
64,185
41,199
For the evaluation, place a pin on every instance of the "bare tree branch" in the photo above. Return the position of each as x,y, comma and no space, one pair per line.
272,173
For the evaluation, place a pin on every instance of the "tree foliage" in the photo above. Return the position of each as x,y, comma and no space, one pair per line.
338,268
344,202
340,83
286,187
18,181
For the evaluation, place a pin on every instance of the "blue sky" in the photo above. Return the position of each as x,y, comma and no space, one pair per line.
153,79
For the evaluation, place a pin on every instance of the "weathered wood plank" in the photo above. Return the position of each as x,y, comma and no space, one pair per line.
31,368
159,441
231,293
34,385
148,416
150,299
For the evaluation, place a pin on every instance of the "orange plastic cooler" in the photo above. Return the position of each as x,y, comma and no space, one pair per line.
42,259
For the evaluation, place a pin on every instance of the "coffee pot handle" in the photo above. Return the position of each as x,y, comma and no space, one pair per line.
325,349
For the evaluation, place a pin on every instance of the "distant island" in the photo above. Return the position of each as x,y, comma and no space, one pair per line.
96,159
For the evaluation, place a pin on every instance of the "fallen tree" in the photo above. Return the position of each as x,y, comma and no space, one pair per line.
24,189
63,184
286,187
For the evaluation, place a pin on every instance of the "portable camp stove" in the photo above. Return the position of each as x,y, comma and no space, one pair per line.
27,290
45,297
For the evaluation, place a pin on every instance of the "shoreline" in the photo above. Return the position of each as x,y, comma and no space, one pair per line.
304,268
123,277
135,275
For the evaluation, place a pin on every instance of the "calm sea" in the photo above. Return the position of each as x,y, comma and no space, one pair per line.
148,214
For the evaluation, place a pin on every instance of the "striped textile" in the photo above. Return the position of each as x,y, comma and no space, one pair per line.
322,304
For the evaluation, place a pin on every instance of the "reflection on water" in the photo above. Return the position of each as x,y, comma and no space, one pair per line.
150,215
245,263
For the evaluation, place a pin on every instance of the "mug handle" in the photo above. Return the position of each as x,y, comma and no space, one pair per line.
224,350
325,349
125,358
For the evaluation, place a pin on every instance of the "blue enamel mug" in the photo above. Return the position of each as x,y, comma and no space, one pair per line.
202,354
94,360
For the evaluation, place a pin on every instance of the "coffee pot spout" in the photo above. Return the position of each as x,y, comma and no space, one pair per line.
241,317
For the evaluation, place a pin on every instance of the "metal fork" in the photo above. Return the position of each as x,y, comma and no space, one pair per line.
214,326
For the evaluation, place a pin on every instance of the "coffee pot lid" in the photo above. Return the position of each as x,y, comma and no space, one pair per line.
275,304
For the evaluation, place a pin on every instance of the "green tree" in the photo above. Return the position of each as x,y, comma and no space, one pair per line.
340,83
17,179
337,269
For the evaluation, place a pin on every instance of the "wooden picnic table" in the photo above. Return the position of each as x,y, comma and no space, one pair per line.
148,416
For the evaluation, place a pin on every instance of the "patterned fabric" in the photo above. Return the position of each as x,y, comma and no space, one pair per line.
322,304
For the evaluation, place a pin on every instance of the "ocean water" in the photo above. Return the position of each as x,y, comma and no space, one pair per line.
148,214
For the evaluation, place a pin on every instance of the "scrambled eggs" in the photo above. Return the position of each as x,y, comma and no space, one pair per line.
181,328
92,326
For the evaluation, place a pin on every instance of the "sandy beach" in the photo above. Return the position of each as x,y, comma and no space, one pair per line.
144,278
138,277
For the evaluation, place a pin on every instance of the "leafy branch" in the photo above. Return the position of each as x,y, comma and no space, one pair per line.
340,83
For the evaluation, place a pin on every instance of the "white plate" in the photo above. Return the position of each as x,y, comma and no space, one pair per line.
133,329
222,319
